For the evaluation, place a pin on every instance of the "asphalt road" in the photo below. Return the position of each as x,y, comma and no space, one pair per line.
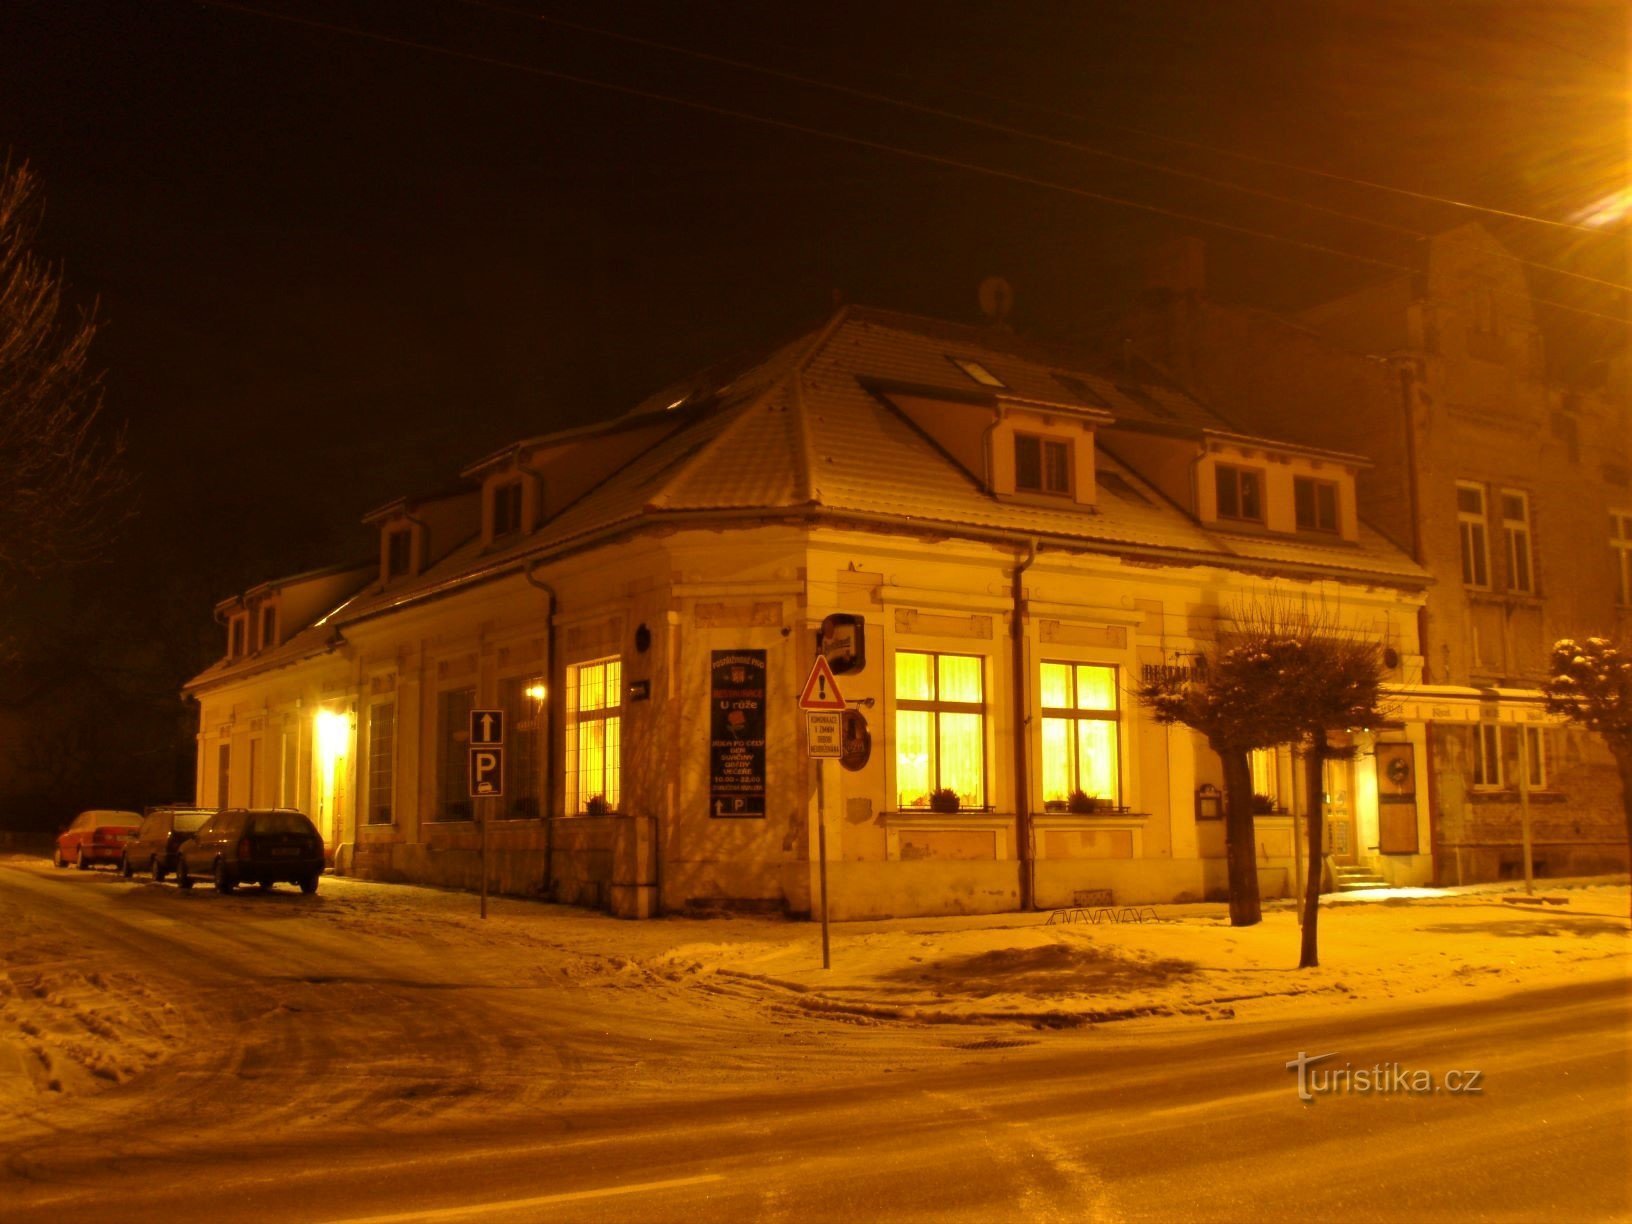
549,1101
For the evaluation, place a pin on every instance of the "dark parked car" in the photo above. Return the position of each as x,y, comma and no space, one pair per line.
97,836
253,846
163,829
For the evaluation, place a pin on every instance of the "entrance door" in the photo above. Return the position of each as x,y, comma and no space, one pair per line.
1340,830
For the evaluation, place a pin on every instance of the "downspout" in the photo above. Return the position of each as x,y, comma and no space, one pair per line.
1412,495
1022,736
552,702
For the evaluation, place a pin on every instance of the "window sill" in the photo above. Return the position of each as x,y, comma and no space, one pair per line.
1499,795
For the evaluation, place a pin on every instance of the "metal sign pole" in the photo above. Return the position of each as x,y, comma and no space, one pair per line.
487,806
821,851
1524,808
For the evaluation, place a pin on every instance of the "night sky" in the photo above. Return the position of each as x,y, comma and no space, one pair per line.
332,269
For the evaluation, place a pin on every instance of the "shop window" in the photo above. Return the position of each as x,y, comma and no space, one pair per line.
1240,493
382,751
940,728
1314,504
1042,465
1081,747
594,737
1516,541
1470,520
522,699
453,709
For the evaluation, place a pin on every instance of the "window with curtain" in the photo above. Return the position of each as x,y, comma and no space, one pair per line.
382,751
594,736
522,699
453,709
940,727
1081,742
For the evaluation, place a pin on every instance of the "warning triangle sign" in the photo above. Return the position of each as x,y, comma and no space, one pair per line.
821,689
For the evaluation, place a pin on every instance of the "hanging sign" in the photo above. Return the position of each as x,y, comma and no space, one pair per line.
856,741
736,785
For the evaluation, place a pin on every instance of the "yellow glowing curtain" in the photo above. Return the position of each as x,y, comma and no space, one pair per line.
940,727
1080,740
595,733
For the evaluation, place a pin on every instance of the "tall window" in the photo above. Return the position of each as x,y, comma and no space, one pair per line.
1041,465
594,736
1315,503
507,508
236,634
1080,732
1516,540
1240,494
522,698
1497,753
269,626
1266,776
1620,540
940,727
399,552
1470,521
382,753
223,768
453,709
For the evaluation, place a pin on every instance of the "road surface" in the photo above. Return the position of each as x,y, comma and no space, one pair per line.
348,1074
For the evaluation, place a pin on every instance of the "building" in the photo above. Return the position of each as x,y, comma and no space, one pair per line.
1009,537
1510,486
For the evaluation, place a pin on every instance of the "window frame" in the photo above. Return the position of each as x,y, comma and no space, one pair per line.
1474,526
575,799
1518,542
238,635
1044,442
1620,541
1531,754
269,626
1316,487
936,707
1236,472
453,802
978,372
403,536
373,766
1079,713
507,495
525,734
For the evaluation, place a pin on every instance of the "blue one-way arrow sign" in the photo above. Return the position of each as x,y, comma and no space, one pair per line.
486,728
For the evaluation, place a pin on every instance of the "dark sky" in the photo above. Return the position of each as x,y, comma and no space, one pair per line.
333,270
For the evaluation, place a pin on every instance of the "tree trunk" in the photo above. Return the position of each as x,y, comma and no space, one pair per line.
1314,763
1240,839
1623,758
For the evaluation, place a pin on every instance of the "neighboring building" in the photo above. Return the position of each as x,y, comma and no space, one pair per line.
1512,489
1024,534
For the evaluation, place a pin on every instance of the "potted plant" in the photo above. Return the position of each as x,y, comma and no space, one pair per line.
1082,803
944,799
595,805
1262,805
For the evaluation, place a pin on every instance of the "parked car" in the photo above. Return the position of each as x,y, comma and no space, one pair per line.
252,846
97,836
153,849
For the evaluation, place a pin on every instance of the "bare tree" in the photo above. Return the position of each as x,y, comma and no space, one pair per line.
1591,685
63,485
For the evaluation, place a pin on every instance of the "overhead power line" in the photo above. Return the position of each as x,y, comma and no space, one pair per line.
846,138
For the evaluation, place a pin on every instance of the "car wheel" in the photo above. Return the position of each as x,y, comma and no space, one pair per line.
83,863
125,869
183,880
158,871
308,884
223,882
56,858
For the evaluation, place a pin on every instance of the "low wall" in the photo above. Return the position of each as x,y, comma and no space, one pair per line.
896,889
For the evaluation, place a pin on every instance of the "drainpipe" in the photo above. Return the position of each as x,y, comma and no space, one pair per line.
1022,736
552,701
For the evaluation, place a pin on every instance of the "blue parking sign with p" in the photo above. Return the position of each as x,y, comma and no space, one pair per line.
486,773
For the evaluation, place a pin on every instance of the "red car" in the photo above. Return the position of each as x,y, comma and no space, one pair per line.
96,837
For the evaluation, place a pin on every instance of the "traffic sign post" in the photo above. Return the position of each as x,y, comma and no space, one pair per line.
486,774
824,708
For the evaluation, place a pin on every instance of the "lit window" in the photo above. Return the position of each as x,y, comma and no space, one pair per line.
399,553
978,372
1081,733
382,750
940,728
1516,541
1266,779
1041,465
453,709
507,508
1620,539
1315,504
1240,494
522,698
1470,519
269,626
594,736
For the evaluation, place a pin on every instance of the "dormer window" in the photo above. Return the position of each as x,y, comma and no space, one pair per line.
237,632
1042,465
1240,494
1314,504
269,626
399,554
978,372
506,508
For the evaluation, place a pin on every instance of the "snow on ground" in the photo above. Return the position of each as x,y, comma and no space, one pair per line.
71,1024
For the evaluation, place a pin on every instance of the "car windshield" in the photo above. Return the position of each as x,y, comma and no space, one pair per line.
191,822
281,822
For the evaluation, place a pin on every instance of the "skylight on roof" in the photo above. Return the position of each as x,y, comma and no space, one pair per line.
978,372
